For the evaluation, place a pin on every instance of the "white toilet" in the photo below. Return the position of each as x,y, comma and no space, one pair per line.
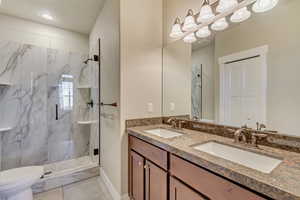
15,184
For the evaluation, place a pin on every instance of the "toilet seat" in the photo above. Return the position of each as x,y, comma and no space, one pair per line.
20,176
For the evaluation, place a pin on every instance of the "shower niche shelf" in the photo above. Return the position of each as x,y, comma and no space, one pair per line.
84,87
5,129
5,84
86,122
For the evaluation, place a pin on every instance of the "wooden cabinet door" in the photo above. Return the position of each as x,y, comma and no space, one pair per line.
155,183
136,176
179,191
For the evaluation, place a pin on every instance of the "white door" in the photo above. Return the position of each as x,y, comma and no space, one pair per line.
244,92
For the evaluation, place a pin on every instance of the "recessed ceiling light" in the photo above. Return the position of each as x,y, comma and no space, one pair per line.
46,16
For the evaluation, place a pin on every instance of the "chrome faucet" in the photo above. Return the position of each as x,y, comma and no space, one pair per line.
176,123
173,122
240,135
247,135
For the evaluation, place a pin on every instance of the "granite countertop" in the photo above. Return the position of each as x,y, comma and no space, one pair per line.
283,183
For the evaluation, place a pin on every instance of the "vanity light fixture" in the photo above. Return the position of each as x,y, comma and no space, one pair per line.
203,32
206,13
176,29
225,5
220,24
190,38
236,9
264,5
240,15
189,21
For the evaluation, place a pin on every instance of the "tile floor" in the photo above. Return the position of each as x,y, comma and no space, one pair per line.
91,189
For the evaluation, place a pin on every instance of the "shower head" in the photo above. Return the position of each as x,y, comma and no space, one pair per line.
95,58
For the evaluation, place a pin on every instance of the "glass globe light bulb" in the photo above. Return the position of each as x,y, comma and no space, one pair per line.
190,38
264,5
240,15
203,32
220,24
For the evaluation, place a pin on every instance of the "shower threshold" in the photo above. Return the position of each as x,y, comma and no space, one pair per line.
66,172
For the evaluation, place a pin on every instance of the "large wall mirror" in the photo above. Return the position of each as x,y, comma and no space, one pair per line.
248,73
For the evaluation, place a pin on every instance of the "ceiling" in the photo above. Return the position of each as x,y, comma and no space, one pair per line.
74,15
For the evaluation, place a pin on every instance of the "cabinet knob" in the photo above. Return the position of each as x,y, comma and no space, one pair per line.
140,163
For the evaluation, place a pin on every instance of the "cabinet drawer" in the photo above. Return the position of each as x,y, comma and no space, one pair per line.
207,183
152,153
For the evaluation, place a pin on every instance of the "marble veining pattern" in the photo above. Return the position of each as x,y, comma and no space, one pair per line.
35,76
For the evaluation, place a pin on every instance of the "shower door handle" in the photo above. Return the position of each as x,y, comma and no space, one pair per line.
56,112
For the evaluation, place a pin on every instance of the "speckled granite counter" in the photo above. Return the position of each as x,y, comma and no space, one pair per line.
283,183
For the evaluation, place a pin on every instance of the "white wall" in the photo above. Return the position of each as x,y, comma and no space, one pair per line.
177,65
141,65
141,54
24,31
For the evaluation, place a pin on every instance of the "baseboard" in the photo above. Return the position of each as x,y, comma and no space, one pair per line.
114,193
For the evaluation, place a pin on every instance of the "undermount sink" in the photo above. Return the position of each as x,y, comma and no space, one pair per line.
164,133
262,163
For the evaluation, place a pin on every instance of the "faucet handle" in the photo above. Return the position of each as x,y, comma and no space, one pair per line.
181,123
172,121
260,126
255,137
169,121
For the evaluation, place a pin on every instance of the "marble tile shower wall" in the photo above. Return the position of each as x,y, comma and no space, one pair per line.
196,91
39,80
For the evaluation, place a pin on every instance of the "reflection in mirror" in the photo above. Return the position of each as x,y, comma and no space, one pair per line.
244,75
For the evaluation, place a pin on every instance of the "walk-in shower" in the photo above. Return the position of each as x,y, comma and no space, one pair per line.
45,113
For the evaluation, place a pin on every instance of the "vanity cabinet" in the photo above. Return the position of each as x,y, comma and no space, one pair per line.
155,182
147,171
137,176
179,191
212,186
150,168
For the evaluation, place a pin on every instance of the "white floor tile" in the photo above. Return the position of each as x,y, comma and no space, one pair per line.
56,194
91,189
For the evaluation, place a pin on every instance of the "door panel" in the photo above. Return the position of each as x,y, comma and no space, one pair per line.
244,92
178,191
156,182
136,176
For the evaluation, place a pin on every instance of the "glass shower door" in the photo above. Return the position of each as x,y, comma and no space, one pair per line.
67,139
